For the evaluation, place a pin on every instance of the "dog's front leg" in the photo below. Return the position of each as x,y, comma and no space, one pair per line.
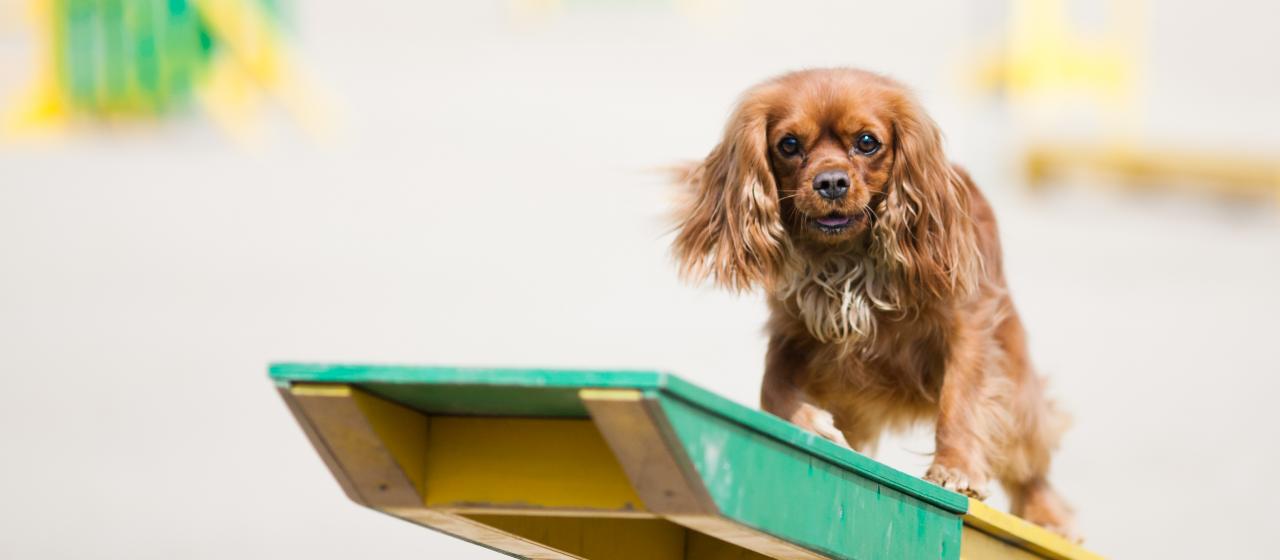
781,395
965,424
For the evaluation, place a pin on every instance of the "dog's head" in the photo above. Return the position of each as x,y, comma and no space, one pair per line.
827,161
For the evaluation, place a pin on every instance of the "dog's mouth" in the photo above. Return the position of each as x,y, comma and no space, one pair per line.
835,222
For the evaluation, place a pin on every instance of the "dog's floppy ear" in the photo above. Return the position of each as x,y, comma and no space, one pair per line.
924,230
730,227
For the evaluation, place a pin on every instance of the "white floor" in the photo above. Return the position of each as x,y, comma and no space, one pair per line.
489,199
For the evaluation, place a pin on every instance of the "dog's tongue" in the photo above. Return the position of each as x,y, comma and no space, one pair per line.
833,221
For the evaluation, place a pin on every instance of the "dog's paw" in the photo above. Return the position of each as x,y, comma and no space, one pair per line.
819,422
1044,507
1068,532
830,432
957,480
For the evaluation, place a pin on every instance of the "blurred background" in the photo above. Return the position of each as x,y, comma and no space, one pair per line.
192,189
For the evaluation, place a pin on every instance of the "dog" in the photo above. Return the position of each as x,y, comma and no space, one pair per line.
882,268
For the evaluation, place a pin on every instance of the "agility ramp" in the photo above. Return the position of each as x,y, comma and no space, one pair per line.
625,465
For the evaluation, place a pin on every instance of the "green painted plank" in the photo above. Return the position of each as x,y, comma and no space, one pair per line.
445,375
474,391
552,393
809,442
776,488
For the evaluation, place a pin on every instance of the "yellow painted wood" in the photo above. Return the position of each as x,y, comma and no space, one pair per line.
403,431
499,465
368,443
699,546
976,545
596,538
759,542
617,539
1022,534
619,395
338,390
478,532
1229,175
534,465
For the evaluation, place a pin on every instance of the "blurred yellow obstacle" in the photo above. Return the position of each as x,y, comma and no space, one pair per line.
1044,63
1139,168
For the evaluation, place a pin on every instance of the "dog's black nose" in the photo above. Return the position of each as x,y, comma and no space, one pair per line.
831,185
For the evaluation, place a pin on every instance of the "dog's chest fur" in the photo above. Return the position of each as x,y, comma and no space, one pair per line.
866,343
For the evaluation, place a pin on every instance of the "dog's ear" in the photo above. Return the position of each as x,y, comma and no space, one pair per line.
924,230
729,228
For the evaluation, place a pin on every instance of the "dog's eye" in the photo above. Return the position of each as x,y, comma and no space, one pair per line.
867,144
789,146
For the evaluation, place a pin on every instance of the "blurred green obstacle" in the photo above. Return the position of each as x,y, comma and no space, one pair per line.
625,465
116,60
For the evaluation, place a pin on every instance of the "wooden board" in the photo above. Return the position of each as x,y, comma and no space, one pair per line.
553,393
623,464
1022,534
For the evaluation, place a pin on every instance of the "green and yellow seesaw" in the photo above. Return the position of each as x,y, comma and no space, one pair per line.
624,465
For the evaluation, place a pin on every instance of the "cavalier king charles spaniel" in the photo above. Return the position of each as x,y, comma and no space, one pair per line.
882,267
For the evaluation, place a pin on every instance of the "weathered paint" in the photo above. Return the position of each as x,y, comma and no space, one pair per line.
814,445
763,483
448,375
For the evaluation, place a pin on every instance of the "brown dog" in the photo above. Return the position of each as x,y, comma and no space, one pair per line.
883,271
